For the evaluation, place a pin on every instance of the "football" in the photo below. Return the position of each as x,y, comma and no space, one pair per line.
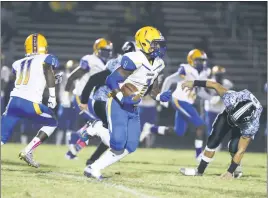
130,89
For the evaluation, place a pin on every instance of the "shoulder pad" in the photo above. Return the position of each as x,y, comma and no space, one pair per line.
181,70
52,60
84,62
127,62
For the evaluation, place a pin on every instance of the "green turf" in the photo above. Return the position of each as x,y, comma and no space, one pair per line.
145,173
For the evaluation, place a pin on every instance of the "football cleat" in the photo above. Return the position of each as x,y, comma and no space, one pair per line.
70,156
28,158
190,172
238,172
89,172
145,131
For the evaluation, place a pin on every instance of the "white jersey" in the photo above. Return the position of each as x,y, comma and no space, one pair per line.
216,104
189,73
92,64
144,73
30,79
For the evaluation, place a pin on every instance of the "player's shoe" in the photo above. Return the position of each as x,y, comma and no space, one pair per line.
89,172
238,172
145,131
190,172
70,156
28,158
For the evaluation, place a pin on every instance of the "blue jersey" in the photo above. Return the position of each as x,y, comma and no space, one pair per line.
231,98
103,91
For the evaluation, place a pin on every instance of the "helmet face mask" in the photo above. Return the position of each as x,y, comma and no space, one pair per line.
105,54
157,48
200,63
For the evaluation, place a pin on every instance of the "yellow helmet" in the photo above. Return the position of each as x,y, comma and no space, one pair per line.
103,49
196,55
218,70
150,41
35,44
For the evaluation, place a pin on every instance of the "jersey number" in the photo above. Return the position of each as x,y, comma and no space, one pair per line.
27,72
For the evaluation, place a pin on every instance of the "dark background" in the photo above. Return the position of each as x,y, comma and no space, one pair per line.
233,34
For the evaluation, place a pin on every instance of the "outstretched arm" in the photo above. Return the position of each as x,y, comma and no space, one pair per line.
77,73
174,78
208,84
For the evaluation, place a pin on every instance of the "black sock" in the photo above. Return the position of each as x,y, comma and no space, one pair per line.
98,152
202,166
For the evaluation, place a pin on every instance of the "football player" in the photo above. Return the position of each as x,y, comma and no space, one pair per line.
215,106
33,74
240,118
183,100
96,85
141,69
66,114
89,65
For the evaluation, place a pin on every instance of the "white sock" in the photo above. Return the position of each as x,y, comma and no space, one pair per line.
104,135
107,159
67,137
161,130
48,130
2,143
32,145
24,139
59,137
198,143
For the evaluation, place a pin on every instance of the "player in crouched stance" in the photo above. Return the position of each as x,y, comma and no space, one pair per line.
33,74
139,69
240,118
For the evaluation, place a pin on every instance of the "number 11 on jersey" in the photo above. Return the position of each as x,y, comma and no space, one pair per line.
25,76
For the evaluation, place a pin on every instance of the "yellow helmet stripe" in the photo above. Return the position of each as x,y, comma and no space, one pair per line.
35,41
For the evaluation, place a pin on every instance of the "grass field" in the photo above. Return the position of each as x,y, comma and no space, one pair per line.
145,173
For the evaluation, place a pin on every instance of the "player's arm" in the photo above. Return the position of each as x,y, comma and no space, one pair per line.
157,95
119,76
207,84
96,80
242,146
82,69
49,63
173,78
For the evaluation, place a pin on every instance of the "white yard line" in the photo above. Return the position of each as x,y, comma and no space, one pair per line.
105,183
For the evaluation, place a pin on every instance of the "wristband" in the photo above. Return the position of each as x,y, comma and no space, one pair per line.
119,96
52,91
200,83
157,98
232,167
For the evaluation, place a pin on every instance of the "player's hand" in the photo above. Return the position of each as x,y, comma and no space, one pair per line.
130,100
227,175
52,102
83,107
164,104
188,85
165,96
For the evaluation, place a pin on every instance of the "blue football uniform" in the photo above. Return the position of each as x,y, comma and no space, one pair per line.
124,121
26,97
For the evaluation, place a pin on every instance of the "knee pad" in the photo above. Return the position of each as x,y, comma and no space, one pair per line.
233,145
131,146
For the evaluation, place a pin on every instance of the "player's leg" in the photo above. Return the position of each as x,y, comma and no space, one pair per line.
133,132
9,119
180,124
219,129
40,114
233,148
187,112
117,119
62,124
